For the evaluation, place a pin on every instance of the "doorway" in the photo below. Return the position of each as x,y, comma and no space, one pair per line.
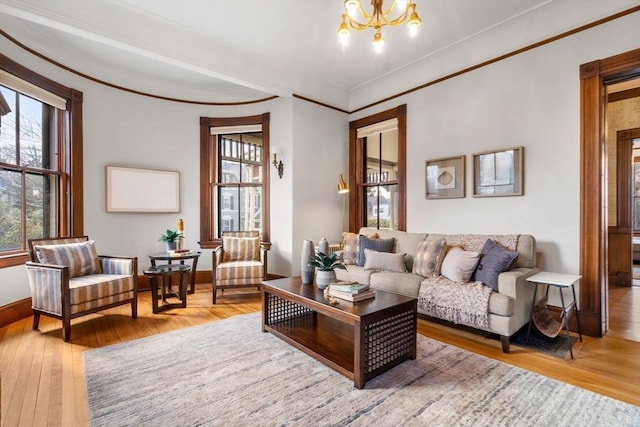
623,209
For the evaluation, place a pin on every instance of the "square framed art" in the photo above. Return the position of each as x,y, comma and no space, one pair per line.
498,173
445,178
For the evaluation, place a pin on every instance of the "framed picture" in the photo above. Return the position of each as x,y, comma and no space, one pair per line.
445,178
142,190
498,173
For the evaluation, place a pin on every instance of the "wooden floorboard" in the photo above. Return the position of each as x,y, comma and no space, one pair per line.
43,380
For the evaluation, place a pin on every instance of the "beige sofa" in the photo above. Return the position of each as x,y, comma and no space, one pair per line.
508,309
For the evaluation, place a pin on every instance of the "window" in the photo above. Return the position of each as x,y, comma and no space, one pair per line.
234,176
40,144
377,165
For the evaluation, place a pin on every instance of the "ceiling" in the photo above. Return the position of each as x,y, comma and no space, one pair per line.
243,50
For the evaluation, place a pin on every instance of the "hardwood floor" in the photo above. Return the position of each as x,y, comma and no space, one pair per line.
43,382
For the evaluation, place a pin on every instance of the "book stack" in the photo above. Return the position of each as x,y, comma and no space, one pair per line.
351,291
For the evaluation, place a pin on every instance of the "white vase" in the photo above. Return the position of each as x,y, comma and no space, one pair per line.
325,278
307,254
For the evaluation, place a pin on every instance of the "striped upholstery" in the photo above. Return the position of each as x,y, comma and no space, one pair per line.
240,249
68,279
81,258
240,262
240,273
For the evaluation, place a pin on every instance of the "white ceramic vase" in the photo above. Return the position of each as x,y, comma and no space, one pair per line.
325,278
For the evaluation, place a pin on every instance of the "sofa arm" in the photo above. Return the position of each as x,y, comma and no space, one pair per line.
48,284
513,283
118,265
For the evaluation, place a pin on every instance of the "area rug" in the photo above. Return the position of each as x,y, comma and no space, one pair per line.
557,346
229,373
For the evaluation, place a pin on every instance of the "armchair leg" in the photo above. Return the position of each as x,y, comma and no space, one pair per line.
36,320
66,329
215,291
134,308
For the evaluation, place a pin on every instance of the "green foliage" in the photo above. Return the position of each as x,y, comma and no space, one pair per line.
169,236
326,262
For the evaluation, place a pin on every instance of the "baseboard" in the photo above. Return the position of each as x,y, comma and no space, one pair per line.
15,311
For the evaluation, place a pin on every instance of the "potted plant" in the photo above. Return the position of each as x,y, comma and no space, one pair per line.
326,265
170,238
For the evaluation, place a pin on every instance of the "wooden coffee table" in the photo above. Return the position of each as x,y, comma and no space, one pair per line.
360,340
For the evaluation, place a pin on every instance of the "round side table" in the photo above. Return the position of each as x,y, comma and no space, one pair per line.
159,276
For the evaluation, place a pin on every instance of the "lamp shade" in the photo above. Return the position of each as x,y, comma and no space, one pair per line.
342,186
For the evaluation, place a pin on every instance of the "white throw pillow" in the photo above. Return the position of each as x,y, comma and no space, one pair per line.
458,265
384,261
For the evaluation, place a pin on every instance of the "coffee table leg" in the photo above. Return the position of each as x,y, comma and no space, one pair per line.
358,356
154,294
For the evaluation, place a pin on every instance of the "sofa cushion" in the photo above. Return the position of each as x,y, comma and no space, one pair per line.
384,261
81,258
399,283
380,245
493,261
500,304
429,256
458,265
354,273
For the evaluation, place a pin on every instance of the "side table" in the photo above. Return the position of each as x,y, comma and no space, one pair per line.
562,282
164,256
158,276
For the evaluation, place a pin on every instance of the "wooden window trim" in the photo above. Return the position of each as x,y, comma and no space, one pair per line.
357,164
208,174
71,213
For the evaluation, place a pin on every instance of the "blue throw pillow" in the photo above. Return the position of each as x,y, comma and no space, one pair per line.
493,261
380,245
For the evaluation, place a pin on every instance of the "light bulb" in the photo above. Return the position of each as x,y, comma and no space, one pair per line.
402,4
343,31
378,41
352,7
414,22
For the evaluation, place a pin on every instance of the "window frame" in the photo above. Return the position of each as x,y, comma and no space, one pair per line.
209,221
358,164
70,211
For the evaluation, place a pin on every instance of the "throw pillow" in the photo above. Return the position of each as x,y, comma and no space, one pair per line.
428,257
350,248
384,261
493,261
380,245
458,265
81,258
240,249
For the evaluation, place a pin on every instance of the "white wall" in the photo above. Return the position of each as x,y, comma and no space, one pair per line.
131,130
533,100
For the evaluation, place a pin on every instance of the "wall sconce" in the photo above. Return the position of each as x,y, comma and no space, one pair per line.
278,165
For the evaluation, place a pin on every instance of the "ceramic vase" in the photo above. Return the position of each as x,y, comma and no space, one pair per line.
323,246
171,246
307,254
325,278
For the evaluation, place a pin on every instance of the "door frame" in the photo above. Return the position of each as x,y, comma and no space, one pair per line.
594,76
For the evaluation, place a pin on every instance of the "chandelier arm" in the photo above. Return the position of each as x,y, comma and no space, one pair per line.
379,17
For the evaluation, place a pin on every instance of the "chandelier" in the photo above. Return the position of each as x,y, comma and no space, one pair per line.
355,16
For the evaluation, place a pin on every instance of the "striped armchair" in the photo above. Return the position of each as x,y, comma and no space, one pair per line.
68,279
240,262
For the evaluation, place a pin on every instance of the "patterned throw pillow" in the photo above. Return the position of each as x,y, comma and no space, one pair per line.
380,245
428,259
240,249
493,260
81,258
458,265
350,248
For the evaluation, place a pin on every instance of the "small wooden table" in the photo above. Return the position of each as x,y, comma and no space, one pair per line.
164,256
360,340
560,281
159,276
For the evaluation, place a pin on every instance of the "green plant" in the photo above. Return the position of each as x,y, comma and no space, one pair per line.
169,236
326,262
